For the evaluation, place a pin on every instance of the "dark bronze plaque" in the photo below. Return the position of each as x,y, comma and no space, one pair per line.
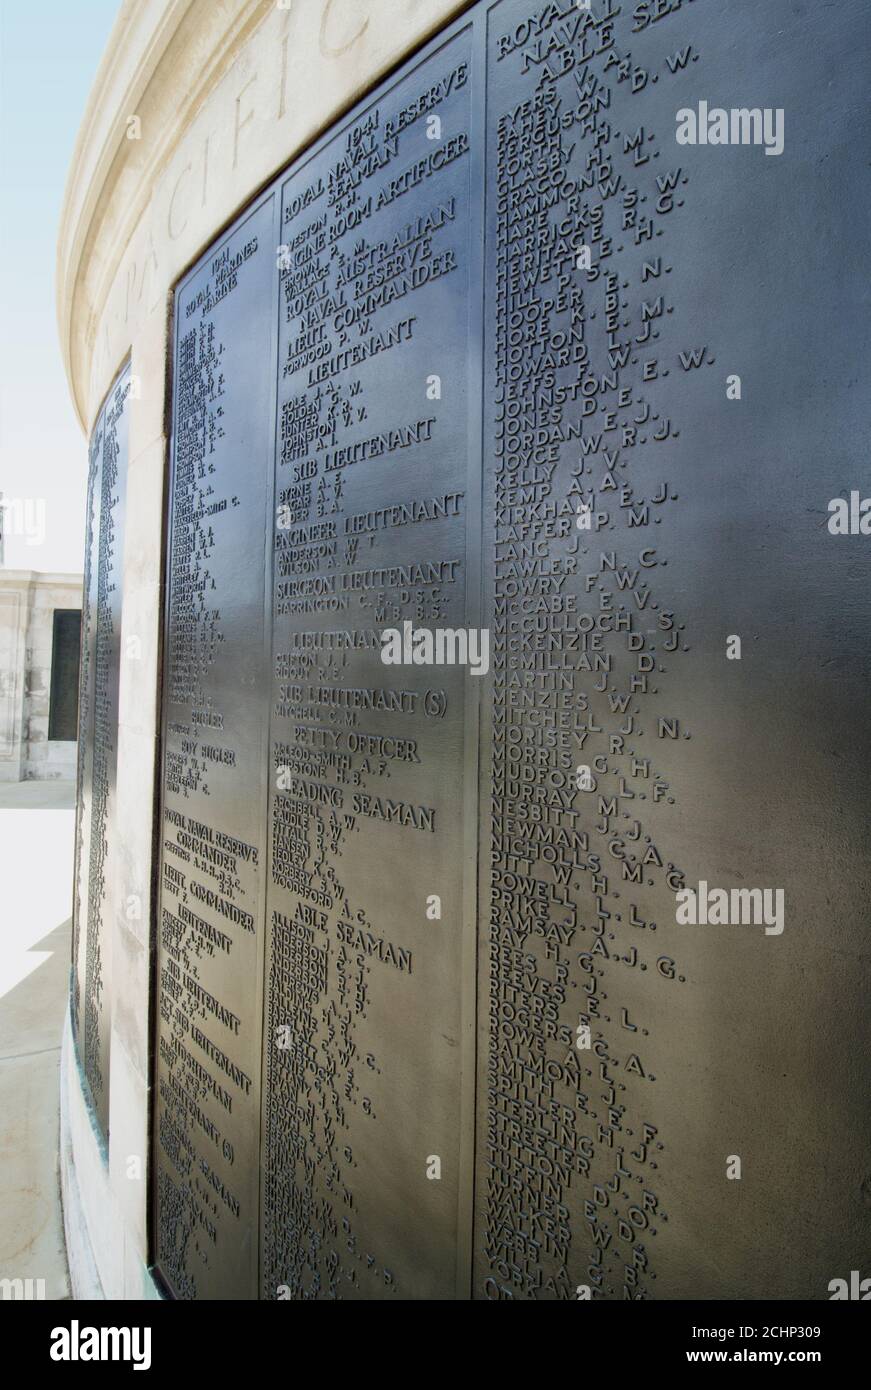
367,1068
661,444
210,928
85,747
98,740
519,346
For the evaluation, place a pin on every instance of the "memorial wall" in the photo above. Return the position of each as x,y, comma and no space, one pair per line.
312,797
95,901
509,857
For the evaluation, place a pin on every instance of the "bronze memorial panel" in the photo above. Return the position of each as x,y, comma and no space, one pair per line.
97,757
504,631
213,860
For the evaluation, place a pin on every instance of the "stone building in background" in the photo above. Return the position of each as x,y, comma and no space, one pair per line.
40,627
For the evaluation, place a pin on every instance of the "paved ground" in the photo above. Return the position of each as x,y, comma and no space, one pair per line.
36,869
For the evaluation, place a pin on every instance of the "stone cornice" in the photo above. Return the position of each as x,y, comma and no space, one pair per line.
163,61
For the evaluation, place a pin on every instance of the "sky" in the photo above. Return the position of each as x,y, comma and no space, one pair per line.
49,54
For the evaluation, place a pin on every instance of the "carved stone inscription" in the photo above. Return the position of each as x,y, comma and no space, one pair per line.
98,741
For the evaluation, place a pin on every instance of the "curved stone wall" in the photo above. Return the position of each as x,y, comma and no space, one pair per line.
648,330
195,106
